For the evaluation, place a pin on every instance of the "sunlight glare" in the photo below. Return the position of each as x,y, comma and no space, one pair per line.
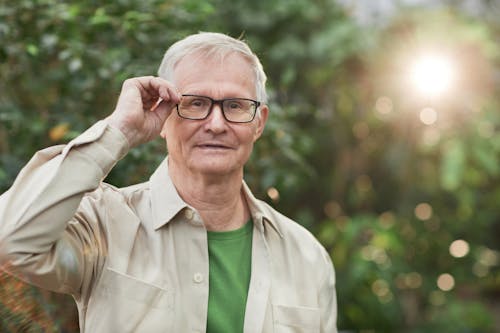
432,75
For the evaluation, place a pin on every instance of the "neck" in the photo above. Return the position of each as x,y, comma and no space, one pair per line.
218,198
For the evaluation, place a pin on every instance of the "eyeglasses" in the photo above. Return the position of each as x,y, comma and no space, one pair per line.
235,110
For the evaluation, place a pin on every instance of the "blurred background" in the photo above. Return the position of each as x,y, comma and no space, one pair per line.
383,137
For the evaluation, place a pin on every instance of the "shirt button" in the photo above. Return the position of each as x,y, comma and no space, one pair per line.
198,277
188,214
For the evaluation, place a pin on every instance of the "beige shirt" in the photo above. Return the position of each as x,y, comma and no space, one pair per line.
136,260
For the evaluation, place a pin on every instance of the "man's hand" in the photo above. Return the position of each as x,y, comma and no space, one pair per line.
142,108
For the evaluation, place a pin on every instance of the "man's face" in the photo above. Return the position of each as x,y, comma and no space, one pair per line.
213,146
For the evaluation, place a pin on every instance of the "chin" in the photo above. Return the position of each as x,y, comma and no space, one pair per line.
218,168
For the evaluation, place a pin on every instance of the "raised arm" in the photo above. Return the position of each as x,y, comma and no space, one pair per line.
51,232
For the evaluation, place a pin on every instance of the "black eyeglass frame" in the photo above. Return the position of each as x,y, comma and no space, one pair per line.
221,105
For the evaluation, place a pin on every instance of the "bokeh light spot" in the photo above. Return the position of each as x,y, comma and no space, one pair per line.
489,257
273,193
387,220
413,280
361,130
480,270
459,248
383,105
445,282
332,209
423,211
380,288
375,254
428,116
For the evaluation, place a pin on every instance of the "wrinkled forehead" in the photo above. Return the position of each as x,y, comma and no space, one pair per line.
205,60
227,76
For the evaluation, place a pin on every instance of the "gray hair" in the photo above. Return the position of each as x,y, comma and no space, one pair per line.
212,44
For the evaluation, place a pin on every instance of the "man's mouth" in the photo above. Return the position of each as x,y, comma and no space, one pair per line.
213,146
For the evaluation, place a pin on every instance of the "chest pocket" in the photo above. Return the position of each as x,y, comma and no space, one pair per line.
122,303
295,319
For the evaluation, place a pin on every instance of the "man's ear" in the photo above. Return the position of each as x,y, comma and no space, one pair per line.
164,130
261,121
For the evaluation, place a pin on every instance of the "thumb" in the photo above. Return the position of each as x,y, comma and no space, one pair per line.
163,110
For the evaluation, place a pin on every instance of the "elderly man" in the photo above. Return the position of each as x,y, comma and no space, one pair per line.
190,250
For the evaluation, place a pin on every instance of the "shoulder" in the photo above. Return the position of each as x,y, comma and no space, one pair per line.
107,194
289,242
293,235
113,210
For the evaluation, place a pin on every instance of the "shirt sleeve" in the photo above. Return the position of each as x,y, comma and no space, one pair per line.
48,236
328,298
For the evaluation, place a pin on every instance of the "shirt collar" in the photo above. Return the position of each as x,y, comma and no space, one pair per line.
260,211
166,202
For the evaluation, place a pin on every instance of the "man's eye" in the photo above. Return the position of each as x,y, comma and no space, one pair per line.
235,105
197,103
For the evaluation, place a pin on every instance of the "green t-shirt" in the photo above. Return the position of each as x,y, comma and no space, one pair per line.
230,259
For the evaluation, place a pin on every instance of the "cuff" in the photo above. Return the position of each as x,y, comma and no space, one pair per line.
104,144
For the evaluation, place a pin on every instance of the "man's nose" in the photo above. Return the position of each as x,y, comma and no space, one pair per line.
216,121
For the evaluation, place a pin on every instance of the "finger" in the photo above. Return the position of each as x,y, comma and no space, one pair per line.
162,112
155,90
146,88
166,89
170,102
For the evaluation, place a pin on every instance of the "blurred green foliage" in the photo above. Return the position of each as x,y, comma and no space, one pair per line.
344,147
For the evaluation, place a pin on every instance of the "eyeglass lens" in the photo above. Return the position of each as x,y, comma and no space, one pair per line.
234,109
